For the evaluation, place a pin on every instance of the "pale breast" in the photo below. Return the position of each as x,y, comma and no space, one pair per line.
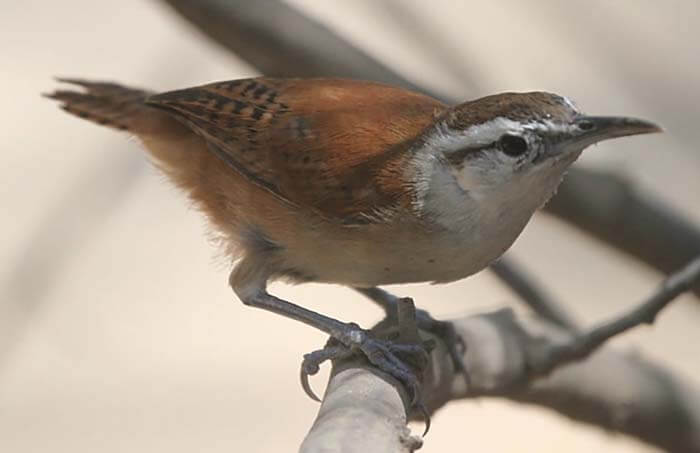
399,252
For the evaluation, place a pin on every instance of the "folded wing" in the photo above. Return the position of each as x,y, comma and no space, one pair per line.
337,147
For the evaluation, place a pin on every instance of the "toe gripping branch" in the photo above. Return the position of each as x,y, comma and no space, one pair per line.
400,353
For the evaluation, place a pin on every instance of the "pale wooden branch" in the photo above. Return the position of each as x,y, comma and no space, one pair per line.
360,410
525,360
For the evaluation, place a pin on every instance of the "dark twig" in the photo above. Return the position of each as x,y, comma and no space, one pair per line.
523,285
280,41
431,44
584,344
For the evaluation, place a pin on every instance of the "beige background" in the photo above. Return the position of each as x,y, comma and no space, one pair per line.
117,329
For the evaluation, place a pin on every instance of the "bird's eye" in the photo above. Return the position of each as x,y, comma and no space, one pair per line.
513,145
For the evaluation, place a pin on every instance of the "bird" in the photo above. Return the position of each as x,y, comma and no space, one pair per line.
352,182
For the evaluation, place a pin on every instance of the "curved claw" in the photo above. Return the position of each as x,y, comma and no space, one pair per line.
380,353
426,417
304,377
312,363
310,366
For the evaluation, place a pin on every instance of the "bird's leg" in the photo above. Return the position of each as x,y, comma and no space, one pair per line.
346,339
442,329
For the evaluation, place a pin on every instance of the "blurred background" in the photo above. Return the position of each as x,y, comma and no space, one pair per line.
118,331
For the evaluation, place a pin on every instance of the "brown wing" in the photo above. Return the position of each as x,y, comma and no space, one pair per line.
332,145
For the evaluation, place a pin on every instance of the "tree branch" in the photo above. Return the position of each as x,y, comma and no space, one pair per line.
280,41
611,209
583,345
362,411
524,360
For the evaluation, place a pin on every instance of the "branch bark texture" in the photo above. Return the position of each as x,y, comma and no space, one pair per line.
526,360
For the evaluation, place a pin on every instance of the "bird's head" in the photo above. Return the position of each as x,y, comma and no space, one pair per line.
519,144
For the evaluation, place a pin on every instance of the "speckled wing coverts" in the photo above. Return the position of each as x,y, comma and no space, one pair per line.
328,137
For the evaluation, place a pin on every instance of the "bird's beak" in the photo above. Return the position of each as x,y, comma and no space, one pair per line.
587,130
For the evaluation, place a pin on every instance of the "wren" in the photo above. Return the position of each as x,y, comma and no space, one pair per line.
351,182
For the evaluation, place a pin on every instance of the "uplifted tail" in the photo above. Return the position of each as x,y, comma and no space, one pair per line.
109,104
173,145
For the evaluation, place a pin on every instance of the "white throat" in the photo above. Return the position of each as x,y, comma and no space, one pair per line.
469,199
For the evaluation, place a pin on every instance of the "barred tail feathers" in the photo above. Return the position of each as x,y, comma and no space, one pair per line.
108,104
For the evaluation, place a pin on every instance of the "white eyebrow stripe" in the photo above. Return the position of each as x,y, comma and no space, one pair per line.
490,131
444,139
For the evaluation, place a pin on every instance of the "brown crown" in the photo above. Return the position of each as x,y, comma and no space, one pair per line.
533,106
